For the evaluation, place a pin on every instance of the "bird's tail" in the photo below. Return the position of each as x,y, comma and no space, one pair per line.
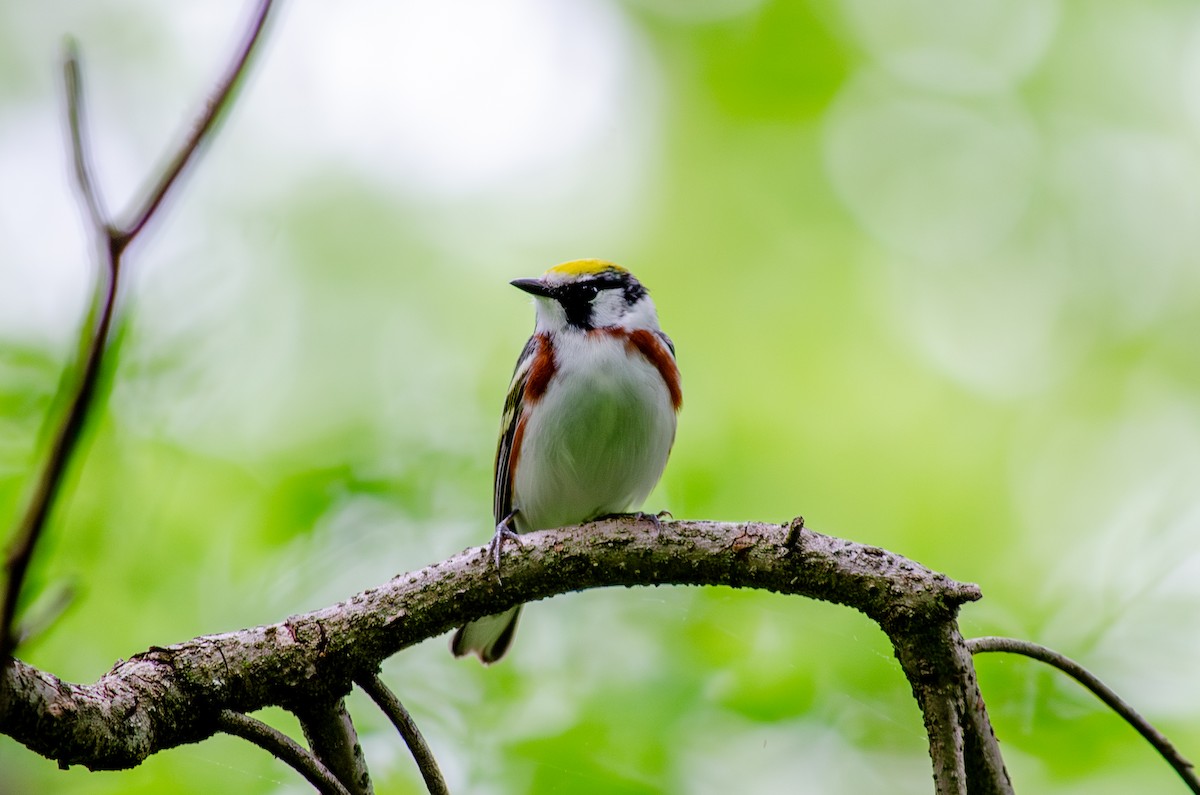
489,637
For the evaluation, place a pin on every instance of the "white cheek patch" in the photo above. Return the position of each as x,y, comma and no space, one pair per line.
641,315
608,308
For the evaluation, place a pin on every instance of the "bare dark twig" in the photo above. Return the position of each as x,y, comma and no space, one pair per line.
66,439
113,240
1182,766
73,82
282,747
382,695
204,125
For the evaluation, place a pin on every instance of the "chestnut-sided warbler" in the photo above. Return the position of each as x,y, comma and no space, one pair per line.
589,419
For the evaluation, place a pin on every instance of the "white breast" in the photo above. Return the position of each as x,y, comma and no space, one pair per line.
599,438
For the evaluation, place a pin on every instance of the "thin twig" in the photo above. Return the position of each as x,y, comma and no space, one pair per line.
115,240
76,124
391,706
281,747
65,440
1182,766
203,126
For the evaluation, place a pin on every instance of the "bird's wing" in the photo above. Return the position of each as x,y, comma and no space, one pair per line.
662,335
502,496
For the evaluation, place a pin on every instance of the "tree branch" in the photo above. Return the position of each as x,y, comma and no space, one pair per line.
966,756
66,439
331,737
203,127
172,695
281,747
113,241
77,127
382,695
1182,766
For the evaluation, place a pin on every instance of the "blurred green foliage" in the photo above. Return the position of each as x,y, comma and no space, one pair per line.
932,274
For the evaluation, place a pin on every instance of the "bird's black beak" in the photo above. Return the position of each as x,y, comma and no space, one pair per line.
532,286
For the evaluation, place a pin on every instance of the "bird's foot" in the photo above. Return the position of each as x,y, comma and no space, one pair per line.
504,533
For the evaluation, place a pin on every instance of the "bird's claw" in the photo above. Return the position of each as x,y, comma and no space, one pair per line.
504,533
654,518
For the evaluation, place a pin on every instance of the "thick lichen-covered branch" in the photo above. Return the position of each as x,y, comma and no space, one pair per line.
171,695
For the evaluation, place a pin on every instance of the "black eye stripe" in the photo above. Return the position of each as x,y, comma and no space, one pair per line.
585,291
576,297
576,301
612,281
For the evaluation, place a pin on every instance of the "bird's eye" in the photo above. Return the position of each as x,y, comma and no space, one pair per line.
588,291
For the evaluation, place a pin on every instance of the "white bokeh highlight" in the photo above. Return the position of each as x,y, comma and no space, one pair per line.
962,48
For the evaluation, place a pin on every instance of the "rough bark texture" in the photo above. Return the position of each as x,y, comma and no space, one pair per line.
333,739
168,696
966,757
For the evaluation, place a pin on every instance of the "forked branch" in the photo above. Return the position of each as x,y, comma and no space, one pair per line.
112,240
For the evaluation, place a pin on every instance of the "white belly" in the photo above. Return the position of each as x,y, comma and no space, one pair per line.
599,439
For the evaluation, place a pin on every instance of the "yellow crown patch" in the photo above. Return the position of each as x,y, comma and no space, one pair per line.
583,267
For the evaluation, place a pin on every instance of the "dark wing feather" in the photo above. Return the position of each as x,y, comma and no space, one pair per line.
662,335
502,496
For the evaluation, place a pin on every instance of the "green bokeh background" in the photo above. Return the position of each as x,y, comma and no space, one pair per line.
932,269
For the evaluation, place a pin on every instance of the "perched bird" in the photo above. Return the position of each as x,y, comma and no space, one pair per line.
589,419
